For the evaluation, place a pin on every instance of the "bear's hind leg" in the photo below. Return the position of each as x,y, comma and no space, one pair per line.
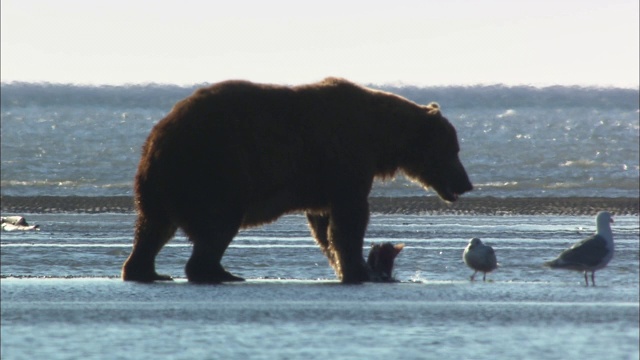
210,240
150,237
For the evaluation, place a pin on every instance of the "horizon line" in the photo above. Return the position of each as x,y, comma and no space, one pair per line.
393,84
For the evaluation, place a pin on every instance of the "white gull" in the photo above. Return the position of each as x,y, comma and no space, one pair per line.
479,257
16,223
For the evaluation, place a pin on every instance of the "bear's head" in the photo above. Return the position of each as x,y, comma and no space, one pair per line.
434,160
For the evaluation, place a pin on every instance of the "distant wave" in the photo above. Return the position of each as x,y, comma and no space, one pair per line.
65,183
20,94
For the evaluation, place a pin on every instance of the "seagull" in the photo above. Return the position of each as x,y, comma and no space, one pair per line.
590,254
16,223
479,257
381,259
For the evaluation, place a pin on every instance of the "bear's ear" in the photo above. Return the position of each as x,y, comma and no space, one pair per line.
398,248
433,108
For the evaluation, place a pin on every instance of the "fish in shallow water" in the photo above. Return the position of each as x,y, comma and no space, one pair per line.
381,260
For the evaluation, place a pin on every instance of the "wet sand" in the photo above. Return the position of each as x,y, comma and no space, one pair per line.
90,318
380,205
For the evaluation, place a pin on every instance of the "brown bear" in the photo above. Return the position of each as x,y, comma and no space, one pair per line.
238,154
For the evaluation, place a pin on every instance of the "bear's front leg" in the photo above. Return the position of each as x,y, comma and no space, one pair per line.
319,225
347,227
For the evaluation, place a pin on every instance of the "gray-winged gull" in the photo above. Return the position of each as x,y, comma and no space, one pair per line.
479,257
590,254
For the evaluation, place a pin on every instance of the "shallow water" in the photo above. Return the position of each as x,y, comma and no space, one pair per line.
61,298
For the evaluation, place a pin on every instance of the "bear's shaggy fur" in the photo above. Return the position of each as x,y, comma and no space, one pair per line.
238,154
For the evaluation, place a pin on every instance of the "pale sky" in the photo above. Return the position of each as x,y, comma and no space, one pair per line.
416,42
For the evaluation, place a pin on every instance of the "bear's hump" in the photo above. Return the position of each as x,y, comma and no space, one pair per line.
333,81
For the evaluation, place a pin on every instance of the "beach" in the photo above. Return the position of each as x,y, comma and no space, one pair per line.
276,319
380,205
62,297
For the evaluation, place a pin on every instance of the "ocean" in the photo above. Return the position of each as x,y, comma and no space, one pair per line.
515,141
61,296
